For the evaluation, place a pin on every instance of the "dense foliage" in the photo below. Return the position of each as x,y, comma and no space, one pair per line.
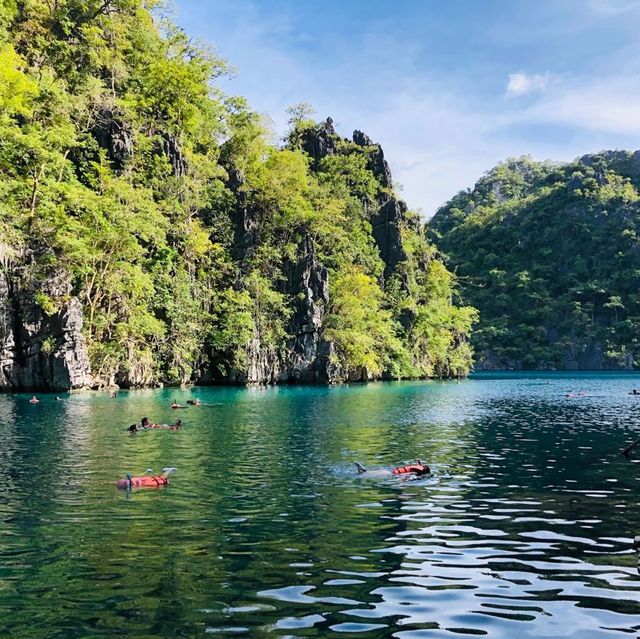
550,255
123,166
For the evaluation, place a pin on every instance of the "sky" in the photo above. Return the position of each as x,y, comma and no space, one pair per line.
449,88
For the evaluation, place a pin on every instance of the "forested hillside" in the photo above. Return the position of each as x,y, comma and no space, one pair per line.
150,232
550,256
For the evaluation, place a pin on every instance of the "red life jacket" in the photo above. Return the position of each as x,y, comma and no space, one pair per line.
415,469
152,481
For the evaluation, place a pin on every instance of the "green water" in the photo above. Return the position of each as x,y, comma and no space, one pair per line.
524,530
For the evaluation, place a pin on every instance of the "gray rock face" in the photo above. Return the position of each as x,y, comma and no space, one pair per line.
386,224
377,163
245,225
321,141
173,152
40,351
112,135
307,357
388,219
309,354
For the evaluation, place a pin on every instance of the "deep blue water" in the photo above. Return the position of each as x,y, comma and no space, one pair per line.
524,529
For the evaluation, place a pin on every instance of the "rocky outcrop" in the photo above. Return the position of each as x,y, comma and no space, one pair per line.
309,354
243,219
173,153
40,348
378,165
387,221
112,134
308,357
320,141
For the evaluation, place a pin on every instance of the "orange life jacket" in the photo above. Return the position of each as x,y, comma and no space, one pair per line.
152,481
416,469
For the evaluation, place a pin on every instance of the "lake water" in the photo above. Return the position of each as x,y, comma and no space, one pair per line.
524,529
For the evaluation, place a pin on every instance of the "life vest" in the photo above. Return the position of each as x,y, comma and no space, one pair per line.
415,469
150,481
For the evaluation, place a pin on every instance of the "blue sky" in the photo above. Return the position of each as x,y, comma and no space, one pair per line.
448,87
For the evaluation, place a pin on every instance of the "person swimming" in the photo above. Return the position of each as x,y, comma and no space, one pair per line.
417,469
34,400
176,405
145,424
194,402
146,481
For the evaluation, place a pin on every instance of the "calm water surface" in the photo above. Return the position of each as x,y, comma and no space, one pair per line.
524,530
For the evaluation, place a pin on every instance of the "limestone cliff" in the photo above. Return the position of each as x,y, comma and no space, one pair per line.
309,357
40,348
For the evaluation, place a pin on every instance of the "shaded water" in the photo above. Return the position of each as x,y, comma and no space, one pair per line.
524,530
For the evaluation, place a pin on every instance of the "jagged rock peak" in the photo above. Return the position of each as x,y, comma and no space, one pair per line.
320,141
362,139
376,162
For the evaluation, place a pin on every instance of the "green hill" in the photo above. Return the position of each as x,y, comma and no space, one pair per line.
150,232
549,254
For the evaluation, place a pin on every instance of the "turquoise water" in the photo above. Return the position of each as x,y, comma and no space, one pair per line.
524,530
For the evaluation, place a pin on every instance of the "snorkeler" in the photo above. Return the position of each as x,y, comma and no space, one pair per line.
417,469
146,481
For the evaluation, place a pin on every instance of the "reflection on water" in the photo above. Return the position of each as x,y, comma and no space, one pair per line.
525,528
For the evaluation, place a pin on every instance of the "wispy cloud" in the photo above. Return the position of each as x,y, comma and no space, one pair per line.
614,7
606,105
520,84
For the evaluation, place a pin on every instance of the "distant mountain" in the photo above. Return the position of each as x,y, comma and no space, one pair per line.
550,256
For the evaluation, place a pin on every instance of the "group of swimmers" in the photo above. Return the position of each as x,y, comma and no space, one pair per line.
146,423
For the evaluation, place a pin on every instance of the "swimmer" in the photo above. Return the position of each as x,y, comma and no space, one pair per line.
417,469
146,481
176,426
176,405
34,400
194,402
145,423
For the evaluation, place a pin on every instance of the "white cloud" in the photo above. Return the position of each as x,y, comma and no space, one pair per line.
608,105
520,84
